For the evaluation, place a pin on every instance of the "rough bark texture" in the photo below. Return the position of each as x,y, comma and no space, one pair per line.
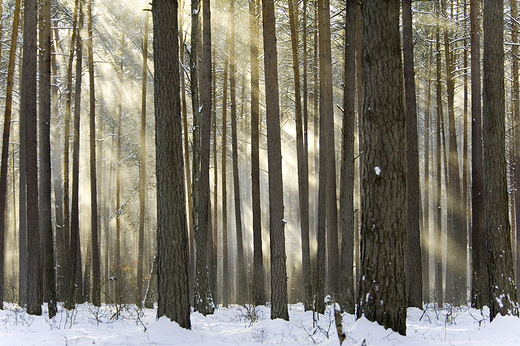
258,257
413,257
499,255
28,111
516,135
172,233
225,259
45,197
274,157
382,293
203,297
346,296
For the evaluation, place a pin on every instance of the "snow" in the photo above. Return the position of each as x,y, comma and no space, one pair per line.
238,325
378,170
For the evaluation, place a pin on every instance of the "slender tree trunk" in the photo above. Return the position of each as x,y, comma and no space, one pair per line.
45,156
413,239
5,145
516,134
203,297
346,281
274,157
28,99
96,257
258,257
74,247
438,291
66,148
480,280
214,236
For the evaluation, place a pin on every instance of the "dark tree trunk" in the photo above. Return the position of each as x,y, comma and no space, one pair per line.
437,200
516,135
49,277
75,275
172,233
258,257
96,257
346,294
413,257
28,111
382,293
274,157
480,280
203,297
499,257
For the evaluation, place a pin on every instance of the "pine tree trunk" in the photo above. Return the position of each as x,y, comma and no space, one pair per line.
499,257
258,257
28,100
203,296
225,254
382,293
172,232
274,157
49,274
413,239
346,282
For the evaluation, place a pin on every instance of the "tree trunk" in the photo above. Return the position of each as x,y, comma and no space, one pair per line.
203,297
516,134
346,293
28,99
258,257
382,293
96,257
499,257
172,233
438,290
45,157
274,157
75,275
413,239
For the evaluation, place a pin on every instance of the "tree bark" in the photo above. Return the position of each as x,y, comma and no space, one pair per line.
382,293
499,256
28,99
274,157
346,295
258,257
413,257
172,233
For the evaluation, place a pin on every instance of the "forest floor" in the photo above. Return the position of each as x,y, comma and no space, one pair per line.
238,325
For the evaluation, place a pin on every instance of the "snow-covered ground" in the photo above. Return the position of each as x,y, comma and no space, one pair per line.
237,325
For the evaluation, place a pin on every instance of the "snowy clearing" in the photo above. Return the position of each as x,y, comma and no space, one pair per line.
237,325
